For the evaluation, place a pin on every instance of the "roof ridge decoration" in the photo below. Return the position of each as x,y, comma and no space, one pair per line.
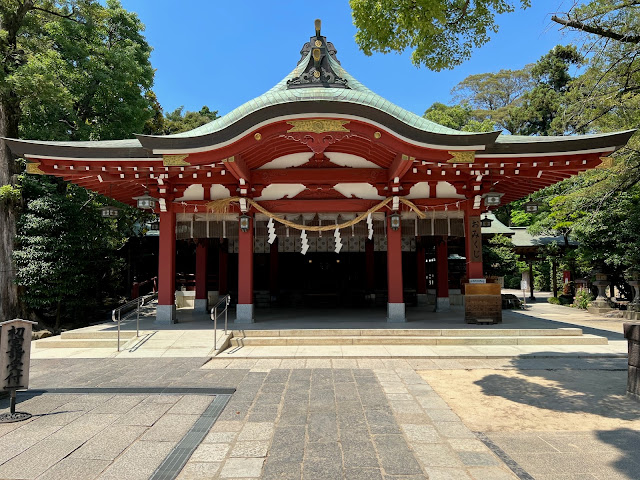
318,71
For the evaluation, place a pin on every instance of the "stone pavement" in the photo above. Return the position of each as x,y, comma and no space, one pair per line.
335,418
310,419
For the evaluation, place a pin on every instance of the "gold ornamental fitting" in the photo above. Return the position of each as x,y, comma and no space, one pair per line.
318,126
468,156
175,161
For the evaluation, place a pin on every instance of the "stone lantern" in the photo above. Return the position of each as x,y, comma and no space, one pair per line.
601,304
635,284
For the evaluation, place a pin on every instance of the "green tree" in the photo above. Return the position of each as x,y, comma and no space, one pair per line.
498,257
494,96
442,33
460,117
177,121
65,249
541,112
71,70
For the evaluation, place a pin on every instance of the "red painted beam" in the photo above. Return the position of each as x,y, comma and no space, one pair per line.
319,176
238,168
400,165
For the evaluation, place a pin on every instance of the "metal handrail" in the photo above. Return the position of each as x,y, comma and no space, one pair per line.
136,303
214,316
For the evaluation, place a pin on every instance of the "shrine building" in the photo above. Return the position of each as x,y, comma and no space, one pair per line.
320,193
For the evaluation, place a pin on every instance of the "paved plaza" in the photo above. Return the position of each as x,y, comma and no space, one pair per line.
562,415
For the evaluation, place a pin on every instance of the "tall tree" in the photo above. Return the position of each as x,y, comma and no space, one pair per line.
441,33
542,108
70,69
494,96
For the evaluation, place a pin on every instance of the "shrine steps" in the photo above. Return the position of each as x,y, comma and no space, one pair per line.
430,337
86,339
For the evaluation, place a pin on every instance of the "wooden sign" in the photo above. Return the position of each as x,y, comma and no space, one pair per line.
475,235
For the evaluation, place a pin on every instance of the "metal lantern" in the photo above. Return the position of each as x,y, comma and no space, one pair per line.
109,212
492,199
531,206
146,201
486,221
395,221
244,222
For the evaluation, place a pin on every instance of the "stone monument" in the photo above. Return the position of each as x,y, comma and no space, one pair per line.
632,334
15,356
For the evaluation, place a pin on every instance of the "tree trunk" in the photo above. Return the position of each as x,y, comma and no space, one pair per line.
8,288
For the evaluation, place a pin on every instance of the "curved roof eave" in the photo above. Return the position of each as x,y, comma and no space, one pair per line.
522,145
107,149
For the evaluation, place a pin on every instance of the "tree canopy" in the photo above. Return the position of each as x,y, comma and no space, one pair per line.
72,70
441,33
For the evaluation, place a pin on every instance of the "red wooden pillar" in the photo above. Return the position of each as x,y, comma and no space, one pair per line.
395,301
273,270
442,275
166,311
202,252
223,258
473,242
244,309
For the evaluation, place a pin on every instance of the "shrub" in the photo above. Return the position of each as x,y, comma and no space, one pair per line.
582,300
554,300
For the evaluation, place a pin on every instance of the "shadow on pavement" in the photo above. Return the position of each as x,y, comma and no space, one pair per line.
625,441
580,385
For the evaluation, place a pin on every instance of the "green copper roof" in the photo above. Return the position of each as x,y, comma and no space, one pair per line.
355,93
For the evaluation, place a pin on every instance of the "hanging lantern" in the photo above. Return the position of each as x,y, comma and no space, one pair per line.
486,221
531,206
154,225
109,212
492,199
395,221
146,201
244,222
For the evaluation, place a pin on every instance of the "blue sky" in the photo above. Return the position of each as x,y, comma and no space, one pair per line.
224,53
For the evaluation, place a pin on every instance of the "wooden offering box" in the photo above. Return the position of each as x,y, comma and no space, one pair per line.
482,303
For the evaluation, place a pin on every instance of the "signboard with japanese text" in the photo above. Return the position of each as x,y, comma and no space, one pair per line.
15,354
475,236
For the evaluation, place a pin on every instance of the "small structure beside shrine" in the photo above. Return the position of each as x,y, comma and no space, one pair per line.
319,193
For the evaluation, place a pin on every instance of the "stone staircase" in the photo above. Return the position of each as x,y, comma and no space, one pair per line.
86,339
430,337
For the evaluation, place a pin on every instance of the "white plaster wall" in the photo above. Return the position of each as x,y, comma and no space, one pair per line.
287,161
193,192
276,191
